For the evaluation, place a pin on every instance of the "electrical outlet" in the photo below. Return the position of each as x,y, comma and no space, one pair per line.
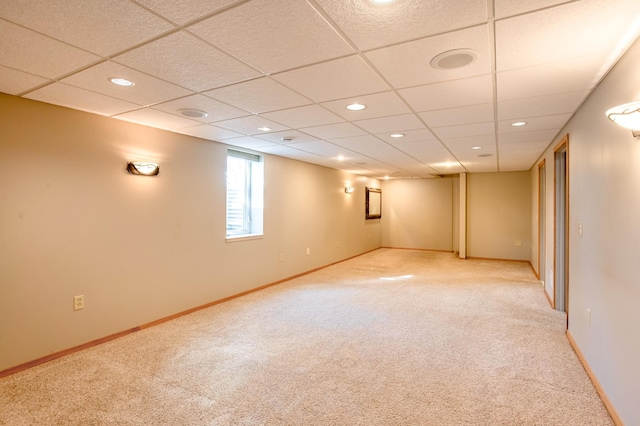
580,228
78,302
518,243
308,251
281,257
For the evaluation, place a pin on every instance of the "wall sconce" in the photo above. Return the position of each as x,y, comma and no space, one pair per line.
628,116
143,168
348,189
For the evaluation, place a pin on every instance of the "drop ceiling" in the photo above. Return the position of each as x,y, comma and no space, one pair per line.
293,66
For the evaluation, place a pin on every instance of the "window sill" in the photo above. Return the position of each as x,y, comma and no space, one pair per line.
244,237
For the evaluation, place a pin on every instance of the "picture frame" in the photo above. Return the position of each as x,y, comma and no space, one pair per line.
373,203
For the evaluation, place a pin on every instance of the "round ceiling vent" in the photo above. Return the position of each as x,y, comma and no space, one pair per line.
453,59
193,113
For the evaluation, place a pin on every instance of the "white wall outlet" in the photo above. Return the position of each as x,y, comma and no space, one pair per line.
78,302
281,257
308,251
518,243
588,316
580,228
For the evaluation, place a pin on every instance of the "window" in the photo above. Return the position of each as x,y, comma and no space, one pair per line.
244,194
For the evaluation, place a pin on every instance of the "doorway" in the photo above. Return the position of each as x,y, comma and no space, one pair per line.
542,225
561,237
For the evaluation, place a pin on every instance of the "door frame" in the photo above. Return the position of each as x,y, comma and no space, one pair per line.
563,145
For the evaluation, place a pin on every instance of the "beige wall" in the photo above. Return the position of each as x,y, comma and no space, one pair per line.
604,264
73,221
498,215
417,213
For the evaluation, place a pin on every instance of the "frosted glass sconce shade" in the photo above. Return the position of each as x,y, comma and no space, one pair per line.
143,168
627,115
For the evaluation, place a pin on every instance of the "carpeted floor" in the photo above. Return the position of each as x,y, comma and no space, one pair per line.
393,337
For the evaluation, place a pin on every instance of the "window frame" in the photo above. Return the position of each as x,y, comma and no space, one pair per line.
253,194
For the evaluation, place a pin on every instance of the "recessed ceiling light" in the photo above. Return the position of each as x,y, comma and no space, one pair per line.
193,113
452,59
519,123
121,81
386,177
340,157
396,135
476,147
264,129
356,107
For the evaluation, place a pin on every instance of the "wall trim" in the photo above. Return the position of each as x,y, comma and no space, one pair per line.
418,249
500,259
605,399
551,302
64,352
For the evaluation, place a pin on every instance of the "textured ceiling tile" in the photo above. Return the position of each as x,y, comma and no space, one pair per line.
426,153
14,82
287,137
549,79
534,136
154,118
408,64
465,130
397,123
83,100
216,111
544,122
377,105
486,142
420,135
207,131
34,53
371,25
325,149
331,131
146,90
540,105
187,61
183,11
247,142
338,79
101,27
250,125
456,116
306,116
550,35
450,94
259,95
264,33
504,8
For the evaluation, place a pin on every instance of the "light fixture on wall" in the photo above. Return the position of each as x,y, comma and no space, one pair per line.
348,189
143,168
627,116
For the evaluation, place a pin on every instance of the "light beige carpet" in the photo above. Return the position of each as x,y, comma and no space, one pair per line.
393,337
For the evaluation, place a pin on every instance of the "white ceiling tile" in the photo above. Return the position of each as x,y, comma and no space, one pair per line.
487,142
371,25
146,91
207,131
427,154
448,167
455,116
216,111
154,118
450,94
465,130
545,122
374,148
572,75
337,79
550,35
397,123
101,27
291,152
14,82
259,95
187,61
250,125
512,149
305,116
377,105
331,131
408,64
325,149
264,33
83,100
481,165
34,53
540,105
420,135
535,136
183,11
515,7
247,142
283,137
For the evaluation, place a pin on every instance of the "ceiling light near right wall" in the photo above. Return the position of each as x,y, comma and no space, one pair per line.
119,81
356,107
519,124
